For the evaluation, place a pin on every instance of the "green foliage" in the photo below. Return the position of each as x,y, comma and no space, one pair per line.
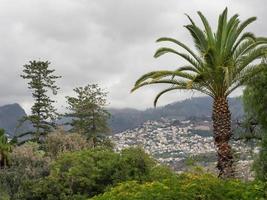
5,149
90,172
223,60
87,111
189,186
134,164
135,191
4,195
160,173
59,142
255,104
41,79
28,163
255,98
101,174
260,163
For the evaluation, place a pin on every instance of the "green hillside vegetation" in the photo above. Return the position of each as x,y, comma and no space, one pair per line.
79,172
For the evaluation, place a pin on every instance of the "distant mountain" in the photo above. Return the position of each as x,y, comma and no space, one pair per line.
9,119
198,107
122,119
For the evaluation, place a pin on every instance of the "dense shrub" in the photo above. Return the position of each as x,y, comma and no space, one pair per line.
189,186
102,174
27,163
136,191
3,194
90,172
31,161
60,142
30,157
134,164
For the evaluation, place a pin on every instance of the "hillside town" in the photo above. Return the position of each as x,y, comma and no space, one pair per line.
172,142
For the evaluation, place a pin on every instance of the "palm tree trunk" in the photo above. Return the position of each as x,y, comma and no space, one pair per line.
221,117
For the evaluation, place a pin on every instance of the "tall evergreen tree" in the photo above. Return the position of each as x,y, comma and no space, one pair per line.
224,60
88,113
41,80
255,104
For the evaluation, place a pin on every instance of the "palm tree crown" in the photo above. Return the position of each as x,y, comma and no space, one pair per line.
224,60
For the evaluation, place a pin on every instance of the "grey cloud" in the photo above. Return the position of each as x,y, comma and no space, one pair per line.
110,42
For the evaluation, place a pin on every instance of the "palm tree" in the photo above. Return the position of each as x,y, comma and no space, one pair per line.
223,61
5,149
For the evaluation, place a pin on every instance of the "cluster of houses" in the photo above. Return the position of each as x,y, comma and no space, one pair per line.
172,141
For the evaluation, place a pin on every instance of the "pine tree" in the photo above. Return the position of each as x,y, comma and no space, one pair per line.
255,105
41,80
87,111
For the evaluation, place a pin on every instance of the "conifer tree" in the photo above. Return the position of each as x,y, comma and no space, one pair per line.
255,105
41,79
88,113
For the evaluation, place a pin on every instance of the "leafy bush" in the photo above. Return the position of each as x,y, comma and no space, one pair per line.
136,191
134,164
102,174
27,164
189,186
90,172
4,195
161,172
60,142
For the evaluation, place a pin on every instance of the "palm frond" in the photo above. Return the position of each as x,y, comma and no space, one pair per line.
221,28
145,77
164,50
166,39
165,91
223,60
246,75
239,30
246,36
198,36
162,81
176,73
250,57
255,44
210,37
242,47
188,68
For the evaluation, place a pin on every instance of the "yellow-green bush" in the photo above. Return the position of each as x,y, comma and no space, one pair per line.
188,186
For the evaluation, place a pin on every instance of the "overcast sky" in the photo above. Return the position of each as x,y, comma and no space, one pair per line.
109,42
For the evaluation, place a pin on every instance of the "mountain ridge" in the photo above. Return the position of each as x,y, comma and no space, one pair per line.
198,107
10,115
128,118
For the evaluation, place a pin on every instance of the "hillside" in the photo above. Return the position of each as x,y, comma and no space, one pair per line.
127,118
198,107
9,117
